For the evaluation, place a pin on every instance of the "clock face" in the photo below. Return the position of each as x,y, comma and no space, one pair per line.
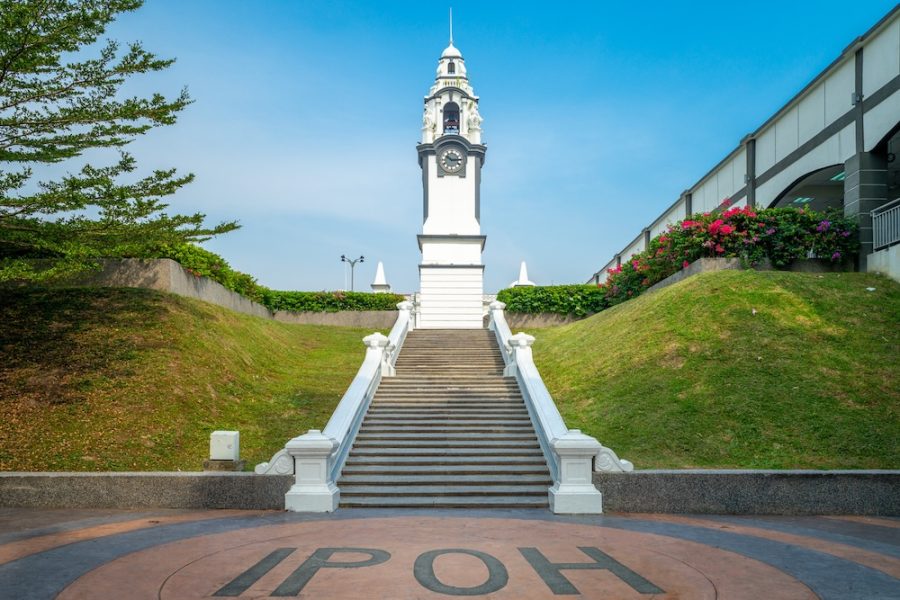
452,160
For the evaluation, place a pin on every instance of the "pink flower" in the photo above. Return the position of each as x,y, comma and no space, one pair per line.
835,256
726,202
719,249
726,229
714,226
685,265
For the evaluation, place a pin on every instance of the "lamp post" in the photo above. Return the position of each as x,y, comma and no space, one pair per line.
352,266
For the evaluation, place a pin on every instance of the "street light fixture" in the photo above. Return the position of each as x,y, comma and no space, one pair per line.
352,266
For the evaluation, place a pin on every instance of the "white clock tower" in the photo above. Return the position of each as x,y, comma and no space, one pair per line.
451,156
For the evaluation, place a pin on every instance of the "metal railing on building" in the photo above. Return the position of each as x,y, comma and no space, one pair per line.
886,225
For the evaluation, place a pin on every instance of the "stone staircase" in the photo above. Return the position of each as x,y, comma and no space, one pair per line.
448,431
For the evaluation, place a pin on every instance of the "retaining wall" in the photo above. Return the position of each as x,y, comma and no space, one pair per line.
885,261
520,321
371,319
684,491
752,492
167,275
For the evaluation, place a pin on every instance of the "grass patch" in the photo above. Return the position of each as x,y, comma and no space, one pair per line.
689,376
129,379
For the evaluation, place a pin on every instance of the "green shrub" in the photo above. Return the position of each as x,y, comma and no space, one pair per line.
780,235
329,301
578,300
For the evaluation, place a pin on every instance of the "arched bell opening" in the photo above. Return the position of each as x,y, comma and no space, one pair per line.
451,117
821,190
451,68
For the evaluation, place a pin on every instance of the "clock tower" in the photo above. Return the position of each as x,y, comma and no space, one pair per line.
451,156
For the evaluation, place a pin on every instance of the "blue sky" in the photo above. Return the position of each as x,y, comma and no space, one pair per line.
597,115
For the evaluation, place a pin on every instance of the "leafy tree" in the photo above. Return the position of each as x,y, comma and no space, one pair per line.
61,96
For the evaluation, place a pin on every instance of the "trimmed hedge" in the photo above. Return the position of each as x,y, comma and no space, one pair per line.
329,301
578,300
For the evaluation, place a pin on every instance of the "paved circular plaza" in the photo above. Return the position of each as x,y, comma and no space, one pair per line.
186,555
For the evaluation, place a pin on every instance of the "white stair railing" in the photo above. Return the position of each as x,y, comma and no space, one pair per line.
317,458
571,455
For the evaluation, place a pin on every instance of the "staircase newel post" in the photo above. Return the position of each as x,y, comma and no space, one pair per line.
574,491
313,490
520,346
381,345
496,309
407,307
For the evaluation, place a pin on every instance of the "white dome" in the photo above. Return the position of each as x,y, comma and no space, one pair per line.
451,52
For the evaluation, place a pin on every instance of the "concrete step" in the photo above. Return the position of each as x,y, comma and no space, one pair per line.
444,459
443,391
445,452
424,418
448,470
447,400
348,490
429,444
450,377
449,386
482,479
479,408
474,404
511,502
478,429
524,436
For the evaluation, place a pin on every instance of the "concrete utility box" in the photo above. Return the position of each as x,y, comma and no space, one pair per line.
225,445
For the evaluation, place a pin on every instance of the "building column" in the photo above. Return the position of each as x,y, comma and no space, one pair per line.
865,188
750,176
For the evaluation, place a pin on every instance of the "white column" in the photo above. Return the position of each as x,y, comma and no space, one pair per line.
574,490
313,490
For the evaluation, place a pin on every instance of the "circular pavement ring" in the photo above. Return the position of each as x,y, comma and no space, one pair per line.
435,557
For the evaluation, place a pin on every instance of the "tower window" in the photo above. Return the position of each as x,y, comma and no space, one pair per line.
451,68
451,117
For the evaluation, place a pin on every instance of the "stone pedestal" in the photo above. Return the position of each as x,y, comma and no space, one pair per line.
312,491
574,492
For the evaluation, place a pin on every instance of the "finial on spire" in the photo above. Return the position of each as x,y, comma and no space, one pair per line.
451,25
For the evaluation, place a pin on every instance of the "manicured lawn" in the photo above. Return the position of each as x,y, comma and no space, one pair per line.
738,369
109,379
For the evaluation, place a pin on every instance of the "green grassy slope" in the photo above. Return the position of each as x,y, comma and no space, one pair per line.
690,377
115,379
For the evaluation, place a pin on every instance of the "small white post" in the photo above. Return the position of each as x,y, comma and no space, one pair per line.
313,490
496,307
378,342
520,345
574,492
407,306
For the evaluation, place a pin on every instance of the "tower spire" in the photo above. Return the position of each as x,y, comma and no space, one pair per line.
451,25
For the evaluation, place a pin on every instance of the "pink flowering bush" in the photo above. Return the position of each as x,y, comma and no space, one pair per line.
780,235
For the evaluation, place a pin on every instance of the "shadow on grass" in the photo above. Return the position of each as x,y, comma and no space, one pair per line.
55,344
